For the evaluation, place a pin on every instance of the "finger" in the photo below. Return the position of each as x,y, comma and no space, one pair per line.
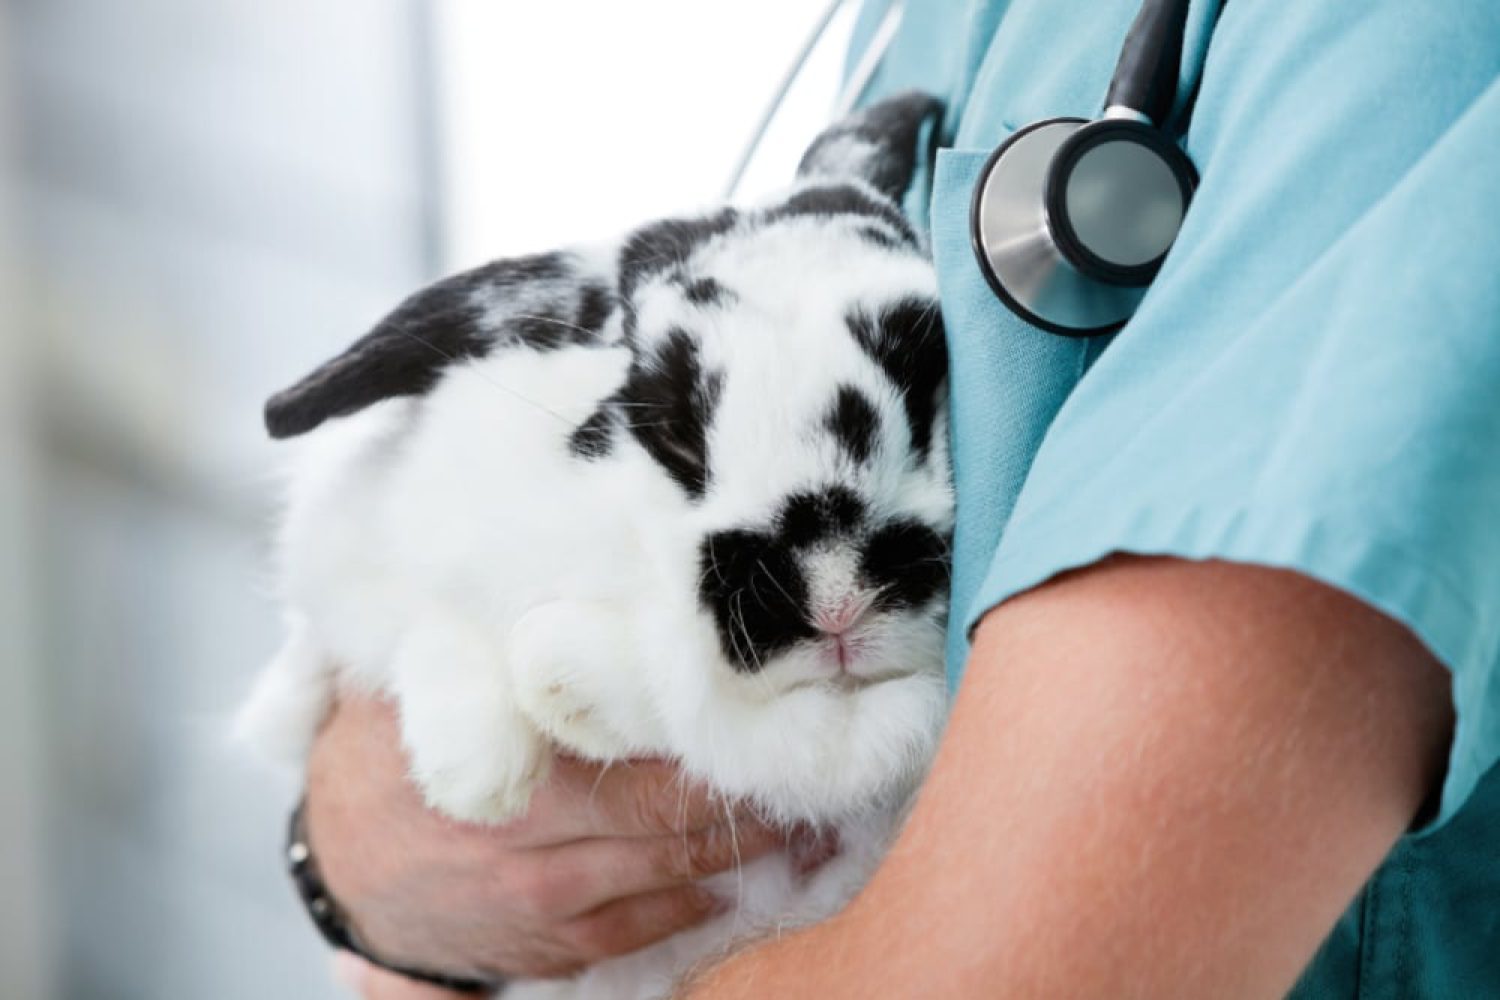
371,983
627,925
632,799
584,875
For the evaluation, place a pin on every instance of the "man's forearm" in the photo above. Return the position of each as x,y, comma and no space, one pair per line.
1160,778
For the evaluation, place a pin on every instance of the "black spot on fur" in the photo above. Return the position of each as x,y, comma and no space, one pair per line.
457,319
908,561
844,199
594,438
668,402
707,292
547,330
666,245
906,340
535,267
845,510
879,144
854,422
802,522
756,593
809,518
881,237
564,322
595,304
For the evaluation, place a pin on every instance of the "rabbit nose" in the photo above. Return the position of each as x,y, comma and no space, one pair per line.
842,615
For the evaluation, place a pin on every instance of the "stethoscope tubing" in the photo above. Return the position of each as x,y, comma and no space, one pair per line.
854,87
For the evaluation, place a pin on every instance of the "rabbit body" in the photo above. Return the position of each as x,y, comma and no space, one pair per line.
686,496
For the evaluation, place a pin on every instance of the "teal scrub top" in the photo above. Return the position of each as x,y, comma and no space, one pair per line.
1313,382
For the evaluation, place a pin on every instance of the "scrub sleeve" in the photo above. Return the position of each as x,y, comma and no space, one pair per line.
1313,382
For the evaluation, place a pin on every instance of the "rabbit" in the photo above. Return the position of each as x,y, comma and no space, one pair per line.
686,494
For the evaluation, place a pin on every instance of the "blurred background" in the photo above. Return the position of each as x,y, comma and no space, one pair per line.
198,202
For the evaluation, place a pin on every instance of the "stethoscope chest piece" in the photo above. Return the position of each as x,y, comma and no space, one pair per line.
1071,219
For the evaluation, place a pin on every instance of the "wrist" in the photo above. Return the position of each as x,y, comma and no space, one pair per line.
334,925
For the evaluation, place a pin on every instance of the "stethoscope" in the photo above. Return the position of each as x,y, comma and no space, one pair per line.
1071,219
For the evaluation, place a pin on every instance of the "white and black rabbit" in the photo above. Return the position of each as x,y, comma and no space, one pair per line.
687,496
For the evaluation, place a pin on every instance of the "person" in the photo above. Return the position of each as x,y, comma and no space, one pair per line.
1226,604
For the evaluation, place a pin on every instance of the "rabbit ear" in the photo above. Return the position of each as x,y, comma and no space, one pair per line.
878,144
542,302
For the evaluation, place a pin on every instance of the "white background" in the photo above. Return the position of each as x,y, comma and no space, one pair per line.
574,120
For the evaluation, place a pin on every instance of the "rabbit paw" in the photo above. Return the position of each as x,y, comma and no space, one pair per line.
478,779
474,755
567,656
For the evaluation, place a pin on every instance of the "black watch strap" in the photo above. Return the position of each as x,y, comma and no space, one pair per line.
334,926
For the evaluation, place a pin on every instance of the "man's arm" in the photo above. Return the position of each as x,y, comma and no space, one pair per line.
1160,778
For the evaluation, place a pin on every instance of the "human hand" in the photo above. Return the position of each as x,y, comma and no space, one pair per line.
370,983
603,863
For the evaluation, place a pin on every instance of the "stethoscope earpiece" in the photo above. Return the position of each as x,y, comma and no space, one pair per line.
1071,219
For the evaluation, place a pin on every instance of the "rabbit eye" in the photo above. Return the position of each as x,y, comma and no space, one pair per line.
757,594
908,562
